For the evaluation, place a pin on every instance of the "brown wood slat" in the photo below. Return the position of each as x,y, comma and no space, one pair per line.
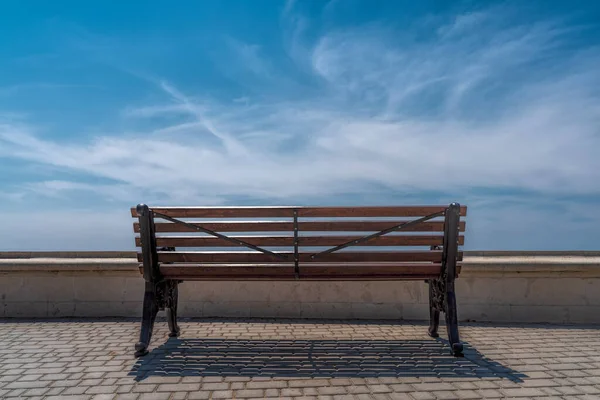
384,211
307,241
228,272
362,278
308,226
331,271
252,257
259,212
317,272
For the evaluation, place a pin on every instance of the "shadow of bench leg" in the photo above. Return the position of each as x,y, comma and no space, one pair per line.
148,317
172,300
434,313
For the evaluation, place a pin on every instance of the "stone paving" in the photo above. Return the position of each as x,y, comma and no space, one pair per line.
295,359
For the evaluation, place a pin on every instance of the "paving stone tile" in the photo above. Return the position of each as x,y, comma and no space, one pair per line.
212,379
310,391
522,392
266,384
146,388
331,390
308,383
468,394
35,392
66,383
154,396
215,386
249,393
551,391
400,396
422,395
163,379
380,396
15,393
29,378
75,390
430,387
101,390
127,396
199,395
446,395
93,375
380,389
124,389
295,392
222,394
184,387
91,382
465,385
27,385
489,393
590,389
55,391
540,383
103,397
569,390
272,393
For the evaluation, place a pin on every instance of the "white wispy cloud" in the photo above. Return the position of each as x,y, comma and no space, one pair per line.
392,114
506,107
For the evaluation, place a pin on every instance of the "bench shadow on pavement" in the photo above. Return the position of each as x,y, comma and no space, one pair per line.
316,358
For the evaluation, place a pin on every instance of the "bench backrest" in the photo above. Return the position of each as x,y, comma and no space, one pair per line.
295,242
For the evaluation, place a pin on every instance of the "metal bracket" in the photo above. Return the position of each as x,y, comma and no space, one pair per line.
220,236
380,233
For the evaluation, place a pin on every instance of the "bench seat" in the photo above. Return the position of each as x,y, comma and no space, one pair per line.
298,243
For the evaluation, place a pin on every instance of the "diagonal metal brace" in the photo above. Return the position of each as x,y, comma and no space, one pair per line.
220,236
380,233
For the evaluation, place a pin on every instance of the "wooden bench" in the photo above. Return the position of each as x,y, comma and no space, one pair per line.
311,244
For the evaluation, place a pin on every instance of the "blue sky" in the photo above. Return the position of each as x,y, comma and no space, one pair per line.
106,104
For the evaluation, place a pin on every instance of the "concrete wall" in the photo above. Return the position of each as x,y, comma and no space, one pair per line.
494,286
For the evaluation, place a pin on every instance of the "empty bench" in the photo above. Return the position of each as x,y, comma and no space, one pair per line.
299,243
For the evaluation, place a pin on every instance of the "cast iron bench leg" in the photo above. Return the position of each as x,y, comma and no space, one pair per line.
434,313
451,228
452,325
172,309
148,317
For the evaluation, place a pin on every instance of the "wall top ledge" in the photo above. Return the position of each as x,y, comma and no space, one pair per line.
475,263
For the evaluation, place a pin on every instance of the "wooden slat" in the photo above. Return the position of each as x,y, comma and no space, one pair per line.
402,270
259,212
307,241
281,272
318,271
385,211
247,278
228,272
253,257
308,226
222,212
